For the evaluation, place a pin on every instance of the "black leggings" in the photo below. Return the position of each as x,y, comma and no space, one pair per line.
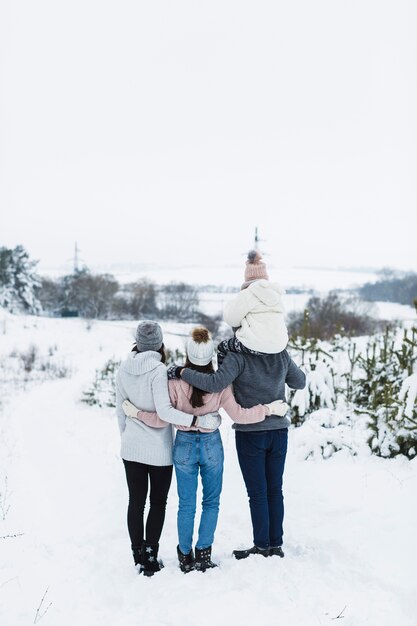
137,476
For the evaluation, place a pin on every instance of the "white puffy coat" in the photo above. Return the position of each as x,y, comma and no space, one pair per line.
259,312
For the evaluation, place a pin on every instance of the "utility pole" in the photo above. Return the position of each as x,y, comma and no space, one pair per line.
256,241
76,258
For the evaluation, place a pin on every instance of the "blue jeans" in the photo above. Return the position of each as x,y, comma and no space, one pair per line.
194,452
261,457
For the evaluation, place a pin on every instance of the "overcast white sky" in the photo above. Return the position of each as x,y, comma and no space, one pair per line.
165,131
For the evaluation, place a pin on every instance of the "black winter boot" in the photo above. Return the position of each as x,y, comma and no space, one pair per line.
137,557
150,563
276,551
186,561
243,554
203,559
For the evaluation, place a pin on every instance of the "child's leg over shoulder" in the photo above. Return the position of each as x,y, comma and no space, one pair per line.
229,345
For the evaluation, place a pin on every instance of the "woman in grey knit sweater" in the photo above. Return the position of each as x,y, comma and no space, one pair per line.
147,452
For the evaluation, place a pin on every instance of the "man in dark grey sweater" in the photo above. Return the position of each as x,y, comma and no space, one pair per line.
261,448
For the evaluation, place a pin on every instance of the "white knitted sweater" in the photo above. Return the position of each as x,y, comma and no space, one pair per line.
142,379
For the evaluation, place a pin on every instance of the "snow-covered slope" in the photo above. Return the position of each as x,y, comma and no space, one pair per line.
350,539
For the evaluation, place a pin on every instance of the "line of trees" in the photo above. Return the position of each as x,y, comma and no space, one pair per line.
100,296
391,288
324,318
92,296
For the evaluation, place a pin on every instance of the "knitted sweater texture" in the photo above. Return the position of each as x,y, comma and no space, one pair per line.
180,394
142,379
256,379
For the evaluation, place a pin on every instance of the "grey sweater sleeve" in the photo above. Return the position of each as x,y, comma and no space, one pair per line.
296,379
120,396
213,383
162,401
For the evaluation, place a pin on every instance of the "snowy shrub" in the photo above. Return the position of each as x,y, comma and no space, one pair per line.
326,432
18,281
28,358
102,391
21,368
319,391
52,369
385,390
4,499
408,399
375,385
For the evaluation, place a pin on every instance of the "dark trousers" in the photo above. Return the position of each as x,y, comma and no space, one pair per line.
261,457
138,476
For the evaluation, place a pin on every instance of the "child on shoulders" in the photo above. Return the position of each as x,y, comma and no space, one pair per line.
256,314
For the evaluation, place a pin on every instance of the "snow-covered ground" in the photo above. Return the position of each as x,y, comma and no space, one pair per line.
350,527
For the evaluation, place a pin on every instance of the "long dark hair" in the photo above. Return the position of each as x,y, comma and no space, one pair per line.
197,395
161,351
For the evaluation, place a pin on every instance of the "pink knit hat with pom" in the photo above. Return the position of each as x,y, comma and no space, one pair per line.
255,268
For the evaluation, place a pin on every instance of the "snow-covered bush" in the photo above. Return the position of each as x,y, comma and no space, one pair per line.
20,368
18,281
318,392
384,389
407,415
374,385
4,498
327,431
316,361
102,391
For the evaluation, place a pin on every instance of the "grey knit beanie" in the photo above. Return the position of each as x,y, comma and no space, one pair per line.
149,336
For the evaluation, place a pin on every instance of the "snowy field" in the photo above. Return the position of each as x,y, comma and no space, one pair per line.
350,526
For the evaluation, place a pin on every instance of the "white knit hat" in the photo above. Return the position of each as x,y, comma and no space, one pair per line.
200,346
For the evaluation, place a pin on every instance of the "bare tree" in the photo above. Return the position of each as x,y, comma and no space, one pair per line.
179,301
